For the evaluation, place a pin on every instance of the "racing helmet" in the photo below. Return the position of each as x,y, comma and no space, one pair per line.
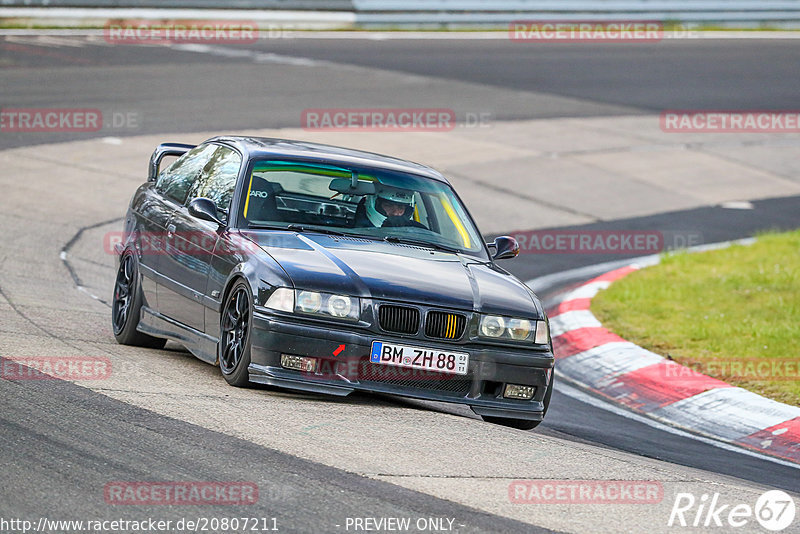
375,212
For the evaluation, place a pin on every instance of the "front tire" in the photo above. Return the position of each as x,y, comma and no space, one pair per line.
235,328
126,306
524,424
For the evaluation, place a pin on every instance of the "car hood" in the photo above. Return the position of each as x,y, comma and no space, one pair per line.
397,272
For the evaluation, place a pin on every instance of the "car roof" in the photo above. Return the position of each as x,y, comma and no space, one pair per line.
260,147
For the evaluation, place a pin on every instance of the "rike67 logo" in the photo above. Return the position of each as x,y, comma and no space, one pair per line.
774,511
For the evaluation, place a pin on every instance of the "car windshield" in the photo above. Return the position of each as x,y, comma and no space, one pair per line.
365,202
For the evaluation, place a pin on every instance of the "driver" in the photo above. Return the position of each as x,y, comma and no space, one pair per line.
391,207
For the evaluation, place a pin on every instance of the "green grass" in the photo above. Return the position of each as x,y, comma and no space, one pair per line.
711,309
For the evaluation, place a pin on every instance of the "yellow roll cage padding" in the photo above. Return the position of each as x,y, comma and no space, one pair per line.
448,208
247,198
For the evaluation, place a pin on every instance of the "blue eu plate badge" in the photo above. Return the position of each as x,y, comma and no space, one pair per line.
375,355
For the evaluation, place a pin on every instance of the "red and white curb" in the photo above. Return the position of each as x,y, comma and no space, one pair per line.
606,364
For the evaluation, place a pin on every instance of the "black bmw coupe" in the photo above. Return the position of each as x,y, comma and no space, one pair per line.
330,270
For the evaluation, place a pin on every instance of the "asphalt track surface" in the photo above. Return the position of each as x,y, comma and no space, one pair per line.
253,86
65,441
76,440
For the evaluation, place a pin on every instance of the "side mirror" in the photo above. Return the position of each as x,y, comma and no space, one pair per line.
204,209
505,247
164,150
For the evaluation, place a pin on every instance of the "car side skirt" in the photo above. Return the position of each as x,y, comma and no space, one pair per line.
203,346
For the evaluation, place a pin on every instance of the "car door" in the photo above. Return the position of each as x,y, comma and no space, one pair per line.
151,213
192,241
153,209
171,293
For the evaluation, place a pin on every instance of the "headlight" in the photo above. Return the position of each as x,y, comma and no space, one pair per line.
514,329
315,303
339,305
308,301
328,305
519,329
492,326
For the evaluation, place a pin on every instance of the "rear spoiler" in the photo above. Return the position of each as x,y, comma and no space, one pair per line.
163,150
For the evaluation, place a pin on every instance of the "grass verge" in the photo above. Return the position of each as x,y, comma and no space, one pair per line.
732,313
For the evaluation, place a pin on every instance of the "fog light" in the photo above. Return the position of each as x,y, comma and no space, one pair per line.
515,391
299,363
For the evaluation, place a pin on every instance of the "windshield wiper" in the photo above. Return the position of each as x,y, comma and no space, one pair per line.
417,242
295,228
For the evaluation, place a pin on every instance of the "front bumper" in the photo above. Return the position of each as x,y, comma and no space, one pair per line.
490,368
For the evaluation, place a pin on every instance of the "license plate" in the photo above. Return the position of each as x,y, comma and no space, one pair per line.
441,361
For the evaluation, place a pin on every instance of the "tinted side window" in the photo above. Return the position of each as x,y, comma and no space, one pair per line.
175,181
219,176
